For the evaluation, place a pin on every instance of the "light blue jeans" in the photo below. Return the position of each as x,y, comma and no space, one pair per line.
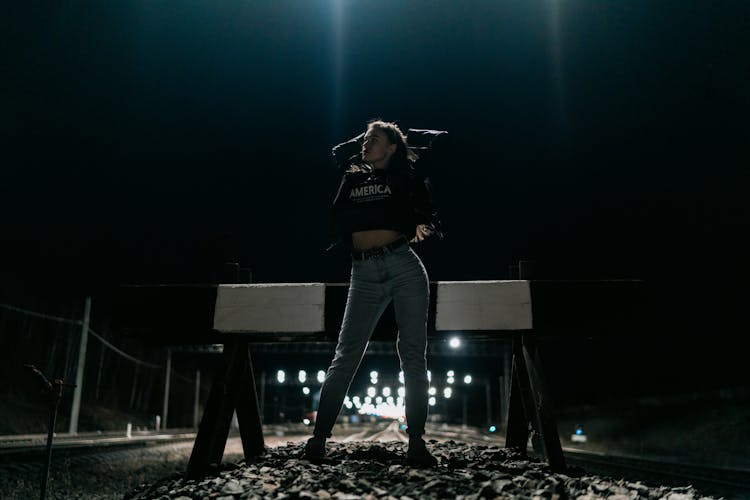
398,275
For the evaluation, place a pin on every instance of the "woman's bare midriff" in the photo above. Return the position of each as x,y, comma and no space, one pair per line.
364,240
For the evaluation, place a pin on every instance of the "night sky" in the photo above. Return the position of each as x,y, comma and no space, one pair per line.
150,142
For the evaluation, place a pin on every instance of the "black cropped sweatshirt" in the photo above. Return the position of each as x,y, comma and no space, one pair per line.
397,199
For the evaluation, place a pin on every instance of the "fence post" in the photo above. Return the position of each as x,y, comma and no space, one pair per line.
76,408
167,379
196,404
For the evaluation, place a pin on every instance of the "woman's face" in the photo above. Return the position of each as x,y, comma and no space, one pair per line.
377,150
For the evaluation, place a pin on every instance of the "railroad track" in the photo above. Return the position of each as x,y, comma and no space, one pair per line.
22,452
33,446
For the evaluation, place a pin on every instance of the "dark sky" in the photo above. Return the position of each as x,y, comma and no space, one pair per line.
150,142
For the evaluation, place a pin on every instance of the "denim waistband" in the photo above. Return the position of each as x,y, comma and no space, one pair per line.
378,251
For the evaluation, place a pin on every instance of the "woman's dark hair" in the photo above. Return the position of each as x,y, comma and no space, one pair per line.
403,157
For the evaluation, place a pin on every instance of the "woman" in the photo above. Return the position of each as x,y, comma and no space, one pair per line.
380,207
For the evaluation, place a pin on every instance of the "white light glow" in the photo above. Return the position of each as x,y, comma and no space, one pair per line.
302,376
386,391
305,390
371,391
321,376
451,380
373,374
447,392
467,379
401,391
384,409
454,342
451,373
432,401
432,391
400,377
280,376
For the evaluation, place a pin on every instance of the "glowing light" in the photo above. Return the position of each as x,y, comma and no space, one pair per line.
401,391
467,379
373,381
373,374
371,391
306,421
429,375
355,399
302,376
321,376
432,401
401,377
305,391
454,342
447,392
386,391
493,428
451,380
451,373
280,376
384,409
432,391
389,400
368,400
378,399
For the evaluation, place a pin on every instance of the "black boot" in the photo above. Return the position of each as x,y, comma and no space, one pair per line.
418,455
315,449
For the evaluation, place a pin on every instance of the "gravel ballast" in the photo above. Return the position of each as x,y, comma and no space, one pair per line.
376,470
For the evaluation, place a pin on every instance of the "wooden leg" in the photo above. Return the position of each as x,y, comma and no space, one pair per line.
248,413
546,425
517,430
231,390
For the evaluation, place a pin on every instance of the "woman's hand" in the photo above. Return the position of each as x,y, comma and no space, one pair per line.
423,231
